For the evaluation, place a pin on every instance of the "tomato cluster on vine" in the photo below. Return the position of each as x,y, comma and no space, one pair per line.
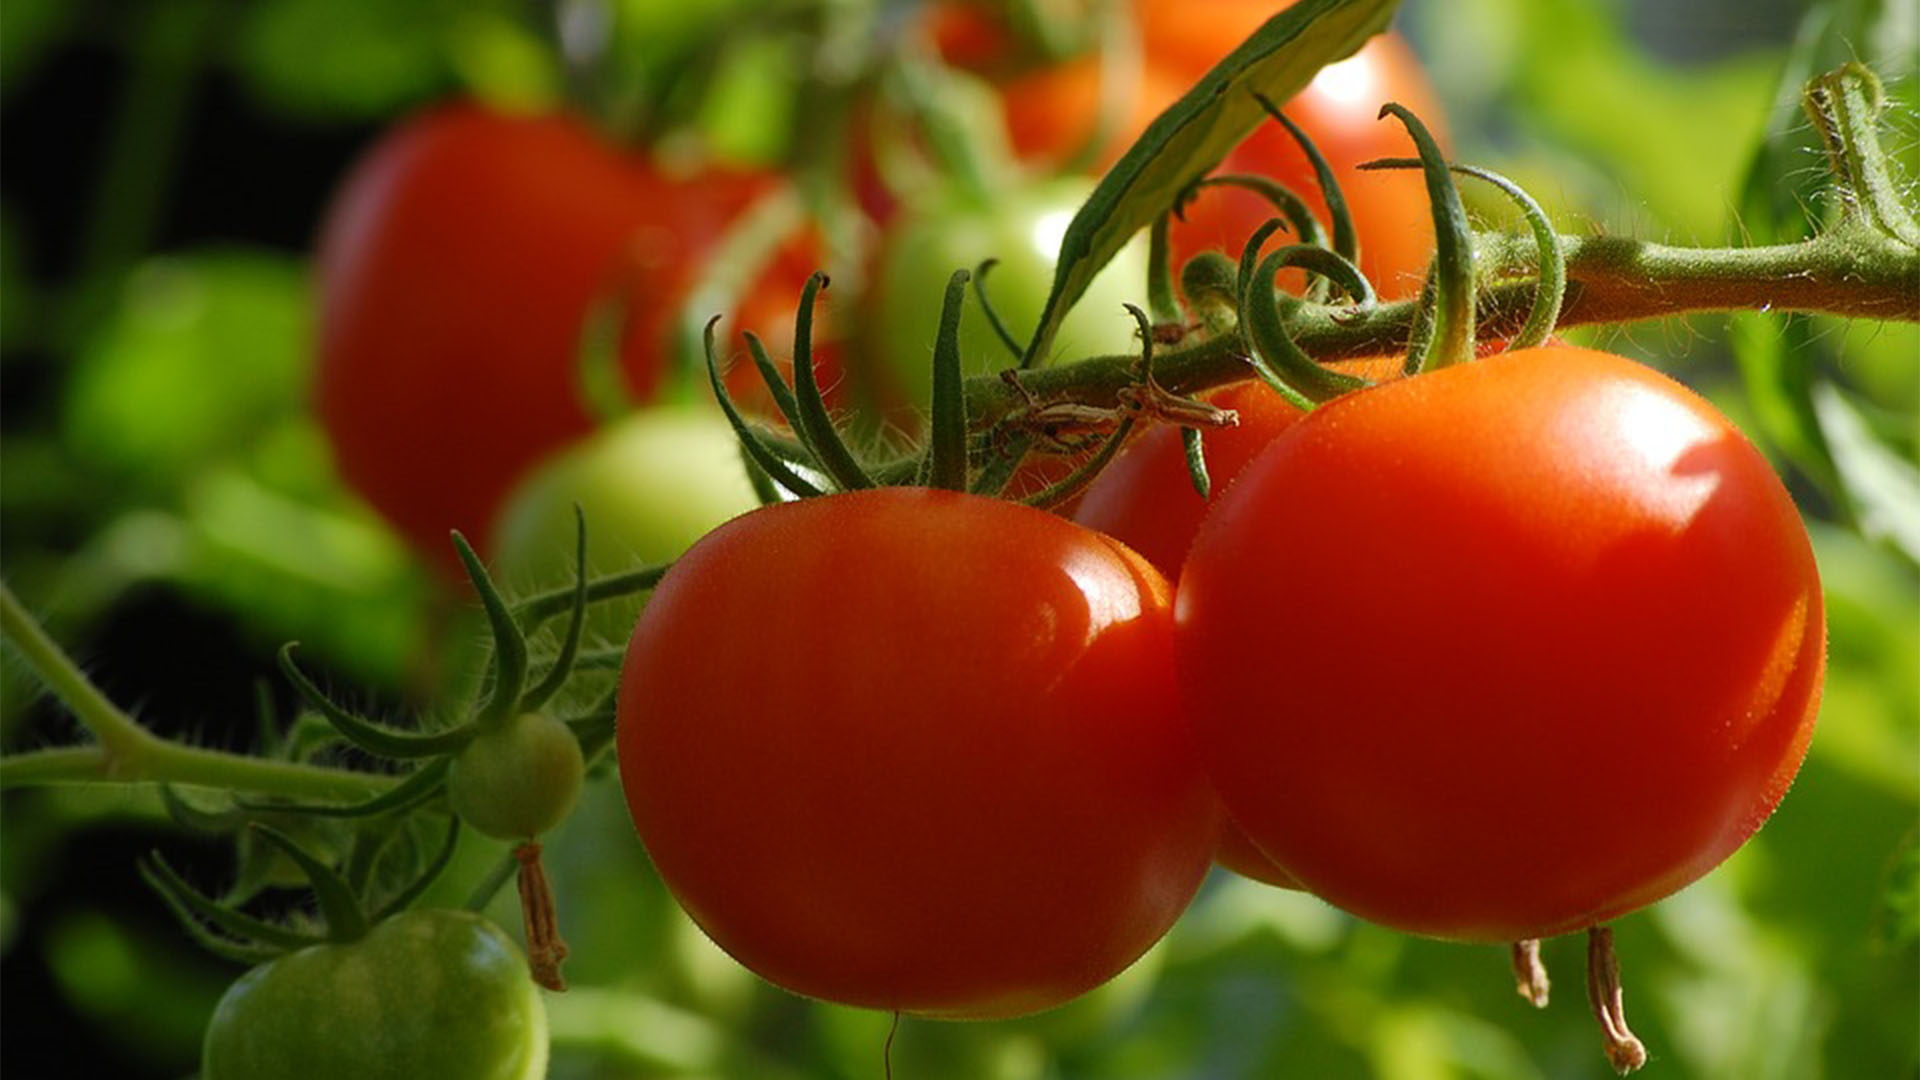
1486,650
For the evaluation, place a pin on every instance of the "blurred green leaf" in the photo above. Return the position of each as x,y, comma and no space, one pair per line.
28,30
503,61
1883,488
204,354
110,972
342,58
1899,926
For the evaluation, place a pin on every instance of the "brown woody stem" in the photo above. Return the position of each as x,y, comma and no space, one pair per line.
545,948
1529,974
1624,1050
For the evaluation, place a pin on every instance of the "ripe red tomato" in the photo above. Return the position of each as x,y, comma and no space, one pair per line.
952,781
1146,500
1504,650
1050,113
457,264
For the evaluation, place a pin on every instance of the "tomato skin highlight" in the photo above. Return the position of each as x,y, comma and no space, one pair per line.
953,783
1504,650
456,266
428,993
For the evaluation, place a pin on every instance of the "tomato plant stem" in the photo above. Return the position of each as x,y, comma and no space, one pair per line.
1624,1050
1530,975
129,753
1610,280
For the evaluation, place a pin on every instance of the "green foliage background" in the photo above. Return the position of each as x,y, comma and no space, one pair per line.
156,443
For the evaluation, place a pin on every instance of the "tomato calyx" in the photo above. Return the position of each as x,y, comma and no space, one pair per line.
347,912
511,769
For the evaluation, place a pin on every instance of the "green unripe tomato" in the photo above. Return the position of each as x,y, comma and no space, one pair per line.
518,780
1022,230
433,993
650,484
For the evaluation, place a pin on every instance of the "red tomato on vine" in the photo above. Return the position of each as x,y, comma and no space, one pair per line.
1146,500
457,266
953,779
1504,650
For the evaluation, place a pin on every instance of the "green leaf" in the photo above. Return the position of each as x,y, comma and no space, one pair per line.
203,357
1196,133
340,57
1883,487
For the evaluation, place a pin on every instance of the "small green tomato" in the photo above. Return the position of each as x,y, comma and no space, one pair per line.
518,780
1022,230
433,993
650,484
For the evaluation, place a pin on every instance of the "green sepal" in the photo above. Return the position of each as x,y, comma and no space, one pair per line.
994,320
562,667
763,490
999,468
309,735
196,911
1420,334
189,816
540,607
1076,481
339,907
1197,462
509,660
1453,310
1346,238
1250,258
1550,292
371,737
607,659
750,440
413,890
1284,200
1160,298
1551,288
728,270
816,427
369,843
1280,362
947,442
1195,134
776,383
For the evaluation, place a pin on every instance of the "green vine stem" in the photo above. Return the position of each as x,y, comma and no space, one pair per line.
1609,280
128,753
